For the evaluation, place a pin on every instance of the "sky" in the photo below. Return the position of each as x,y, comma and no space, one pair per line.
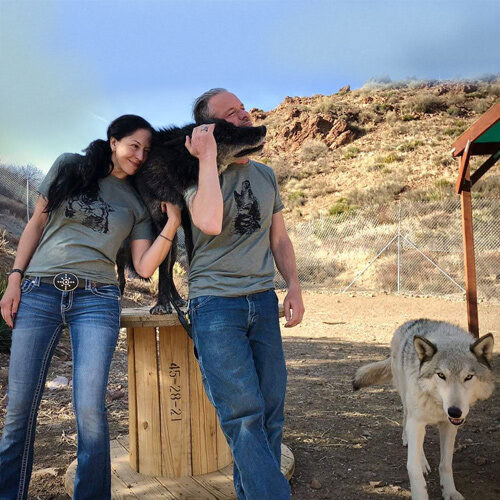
69,67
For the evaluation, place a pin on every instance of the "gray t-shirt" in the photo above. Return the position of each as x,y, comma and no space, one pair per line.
238,261
83,235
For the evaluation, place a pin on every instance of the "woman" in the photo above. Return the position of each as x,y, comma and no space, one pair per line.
67,252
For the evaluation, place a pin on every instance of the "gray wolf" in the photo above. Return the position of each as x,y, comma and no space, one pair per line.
168,171
439,371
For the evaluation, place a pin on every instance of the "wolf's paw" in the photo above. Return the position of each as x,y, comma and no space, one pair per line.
452,495
161,309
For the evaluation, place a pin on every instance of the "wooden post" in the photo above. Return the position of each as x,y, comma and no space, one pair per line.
464,188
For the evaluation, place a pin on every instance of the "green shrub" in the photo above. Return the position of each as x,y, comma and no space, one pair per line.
297,198
428,104
443,183
481,107
352,152
282,170
312,150
454,111
390,158
341,206
378,195
494,90
325,105
382,107
409,146
489,185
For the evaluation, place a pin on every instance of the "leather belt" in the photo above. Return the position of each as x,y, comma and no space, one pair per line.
66,282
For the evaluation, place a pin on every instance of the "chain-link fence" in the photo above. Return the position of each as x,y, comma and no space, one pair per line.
18,190
407,247
18,196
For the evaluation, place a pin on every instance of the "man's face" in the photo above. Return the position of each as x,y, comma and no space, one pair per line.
227,106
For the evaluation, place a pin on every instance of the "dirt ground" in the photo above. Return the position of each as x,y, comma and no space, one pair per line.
346,445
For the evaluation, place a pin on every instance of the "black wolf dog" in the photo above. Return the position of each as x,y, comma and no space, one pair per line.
167,173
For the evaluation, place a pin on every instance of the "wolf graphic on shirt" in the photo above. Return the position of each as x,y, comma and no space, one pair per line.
247,220
91,212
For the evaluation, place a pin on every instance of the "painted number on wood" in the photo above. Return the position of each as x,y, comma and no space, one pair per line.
175,392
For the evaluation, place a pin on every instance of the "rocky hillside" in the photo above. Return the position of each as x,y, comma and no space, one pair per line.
333,153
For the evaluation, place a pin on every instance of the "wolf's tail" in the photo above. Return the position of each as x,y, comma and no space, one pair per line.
372,374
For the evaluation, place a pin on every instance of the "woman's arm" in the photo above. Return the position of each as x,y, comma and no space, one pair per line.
147,255
25,250
206,204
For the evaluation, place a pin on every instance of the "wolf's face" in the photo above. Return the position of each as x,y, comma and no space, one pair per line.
236,142
456,376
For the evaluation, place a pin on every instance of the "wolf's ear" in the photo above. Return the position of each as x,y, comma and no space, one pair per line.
425,348
483,349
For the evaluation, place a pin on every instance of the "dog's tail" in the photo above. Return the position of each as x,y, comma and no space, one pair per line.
373,374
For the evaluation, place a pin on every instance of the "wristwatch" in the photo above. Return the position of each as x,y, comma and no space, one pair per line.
20,271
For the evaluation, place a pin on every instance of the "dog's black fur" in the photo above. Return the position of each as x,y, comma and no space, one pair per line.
167,173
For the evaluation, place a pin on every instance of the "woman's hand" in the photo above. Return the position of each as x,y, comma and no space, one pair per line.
202,143
11,298
173,212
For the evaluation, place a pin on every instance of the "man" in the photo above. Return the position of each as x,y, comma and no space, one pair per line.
238,228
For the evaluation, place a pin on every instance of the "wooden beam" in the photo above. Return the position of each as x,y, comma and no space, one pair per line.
469,257
484,168
464,168
486,121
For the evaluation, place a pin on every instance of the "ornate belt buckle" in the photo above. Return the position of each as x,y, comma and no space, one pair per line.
65,282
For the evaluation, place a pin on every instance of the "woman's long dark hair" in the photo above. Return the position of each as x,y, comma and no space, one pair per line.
82,176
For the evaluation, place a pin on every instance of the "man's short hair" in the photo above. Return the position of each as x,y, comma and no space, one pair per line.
201,113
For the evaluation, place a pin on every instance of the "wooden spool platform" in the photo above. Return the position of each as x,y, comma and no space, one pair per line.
175,448
129,484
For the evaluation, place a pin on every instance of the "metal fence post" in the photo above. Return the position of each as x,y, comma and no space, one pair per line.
399,246
27,199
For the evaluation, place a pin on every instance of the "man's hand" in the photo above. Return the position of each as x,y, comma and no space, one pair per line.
202,143
294,307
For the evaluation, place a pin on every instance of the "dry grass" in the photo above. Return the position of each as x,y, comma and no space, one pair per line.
405,134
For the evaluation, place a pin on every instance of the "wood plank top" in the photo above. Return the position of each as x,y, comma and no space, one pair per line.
128,484
140,316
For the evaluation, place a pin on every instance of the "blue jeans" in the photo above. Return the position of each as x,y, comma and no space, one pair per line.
241,359
93,318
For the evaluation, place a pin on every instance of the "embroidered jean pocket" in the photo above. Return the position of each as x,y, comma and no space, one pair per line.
27,286
107,292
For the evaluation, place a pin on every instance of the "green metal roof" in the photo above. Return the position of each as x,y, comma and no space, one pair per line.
490,135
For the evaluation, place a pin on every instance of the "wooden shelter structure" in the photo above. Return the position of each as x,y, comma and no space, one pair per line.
482,138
